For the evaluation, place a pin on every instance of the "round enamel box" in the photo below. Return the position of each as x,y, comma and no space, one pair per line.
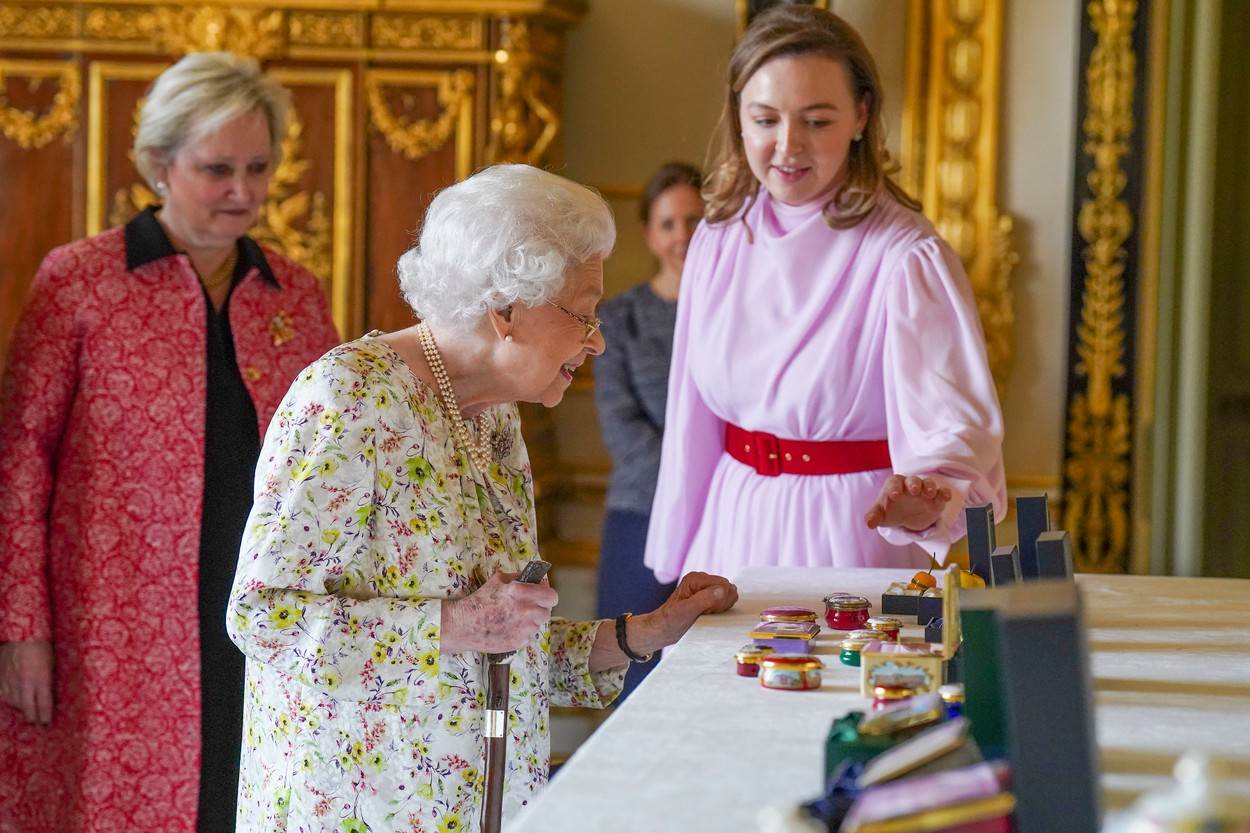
790,672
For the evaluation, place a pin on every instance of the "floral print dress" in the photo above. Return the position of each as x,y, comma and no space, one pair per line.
367,517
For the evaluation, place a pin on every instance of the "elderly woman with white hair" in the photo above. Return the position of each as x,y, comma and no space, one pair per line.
147,362
394,507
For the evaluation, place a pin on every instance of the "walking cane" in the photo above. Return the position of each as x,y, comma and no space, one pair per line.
498,673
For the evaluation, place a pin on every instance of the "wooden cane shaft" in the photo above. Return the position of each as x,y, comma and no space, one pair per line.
496,731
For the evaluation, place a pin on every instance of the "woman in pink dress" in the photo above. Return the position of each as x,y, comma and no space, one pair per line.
830,403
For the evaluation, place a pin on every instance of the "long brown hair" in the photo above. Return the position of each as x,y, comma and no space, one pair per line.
797,29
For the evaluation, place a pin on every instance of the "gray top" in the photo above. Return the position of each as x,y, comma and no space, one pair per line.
631,389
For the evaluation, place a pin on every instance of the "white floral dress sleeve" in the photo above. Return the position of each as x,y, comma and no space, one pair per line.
306,598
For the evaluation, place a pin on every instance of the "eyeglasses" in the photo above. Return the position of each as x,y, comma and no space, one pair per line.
592,325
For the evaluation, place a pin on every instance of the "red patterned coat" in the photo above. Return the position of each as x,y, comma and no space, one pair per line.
101,483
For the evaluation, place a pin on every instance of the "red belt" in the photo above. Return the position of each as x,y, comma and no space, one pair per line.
771,456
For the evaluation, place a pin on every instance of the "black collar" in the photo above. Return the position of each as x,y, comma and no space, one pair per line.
146,242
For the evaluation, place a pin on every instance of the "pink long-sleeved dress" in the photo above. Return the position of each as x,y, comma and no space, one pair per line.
809,333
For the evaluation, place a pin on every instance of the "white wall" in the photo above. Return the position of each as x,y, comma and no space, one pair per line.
1040,49
643,80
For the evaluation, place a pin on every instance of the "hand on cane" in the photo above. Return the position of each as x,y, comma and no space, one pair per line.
499,617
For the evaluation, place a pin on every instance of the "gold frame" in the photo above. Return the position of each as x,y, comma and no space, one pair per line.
463,131
33,131
343,301
344,306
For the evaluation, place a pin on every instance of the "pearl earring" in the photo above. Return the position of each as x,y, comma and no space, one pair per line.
858,135
508,338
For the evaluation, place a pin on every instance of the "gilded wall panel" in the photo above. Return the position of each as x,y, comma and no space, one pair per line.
1098,461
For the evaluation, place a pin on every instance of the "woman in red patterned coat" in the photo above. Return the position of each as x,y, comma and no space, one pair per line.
144,371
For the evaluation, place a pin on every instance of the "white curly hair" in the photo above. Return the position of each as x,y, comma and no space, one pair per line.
508,234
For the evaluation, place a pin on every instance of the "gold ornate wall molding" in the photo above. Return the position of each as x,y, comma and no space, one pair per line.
30,129
960,156
447,31
416,139
1098,464
39,22
398,31
258,33
526,118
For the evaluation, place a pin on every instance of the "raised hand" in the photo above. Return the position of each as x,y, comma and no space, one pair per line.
914,503
696,594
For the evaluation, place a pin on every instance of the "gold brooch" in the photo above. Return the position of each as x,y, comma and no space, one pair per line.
280,329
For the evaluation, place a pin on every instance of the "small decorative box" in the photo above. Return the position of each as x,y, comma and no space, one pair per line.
785,637
748,659
887,626
853,643
790,672
844,612
889,695
929,606
953,698
787,614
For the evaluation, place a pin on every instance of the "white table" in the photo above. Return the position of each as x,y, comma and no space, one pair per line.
698,748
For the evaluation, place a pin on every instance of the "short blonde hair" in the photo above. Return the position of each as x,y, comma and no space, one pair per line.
508,234
198,95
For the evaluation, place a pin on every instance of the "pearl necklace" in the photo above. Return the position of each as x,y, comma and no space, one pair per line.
479,452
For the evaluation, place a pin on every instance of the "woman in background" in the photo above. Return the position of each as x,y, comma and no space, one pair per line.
631,386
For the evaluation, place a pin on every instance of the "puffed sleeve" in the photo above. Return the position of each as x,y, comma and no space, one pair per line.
572,682
35,401
942,410
302,600
694,437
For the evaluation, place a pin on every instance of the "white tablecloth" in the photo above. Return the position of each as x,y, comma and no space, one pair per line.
698,748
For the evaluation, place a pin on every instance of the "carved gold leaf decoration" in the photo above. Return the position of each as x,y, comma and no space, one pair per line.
33,130
325,29
416,139
398,31
41,22
257,33
292,221
128,201
1099,441
525,121
116,23
994,302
